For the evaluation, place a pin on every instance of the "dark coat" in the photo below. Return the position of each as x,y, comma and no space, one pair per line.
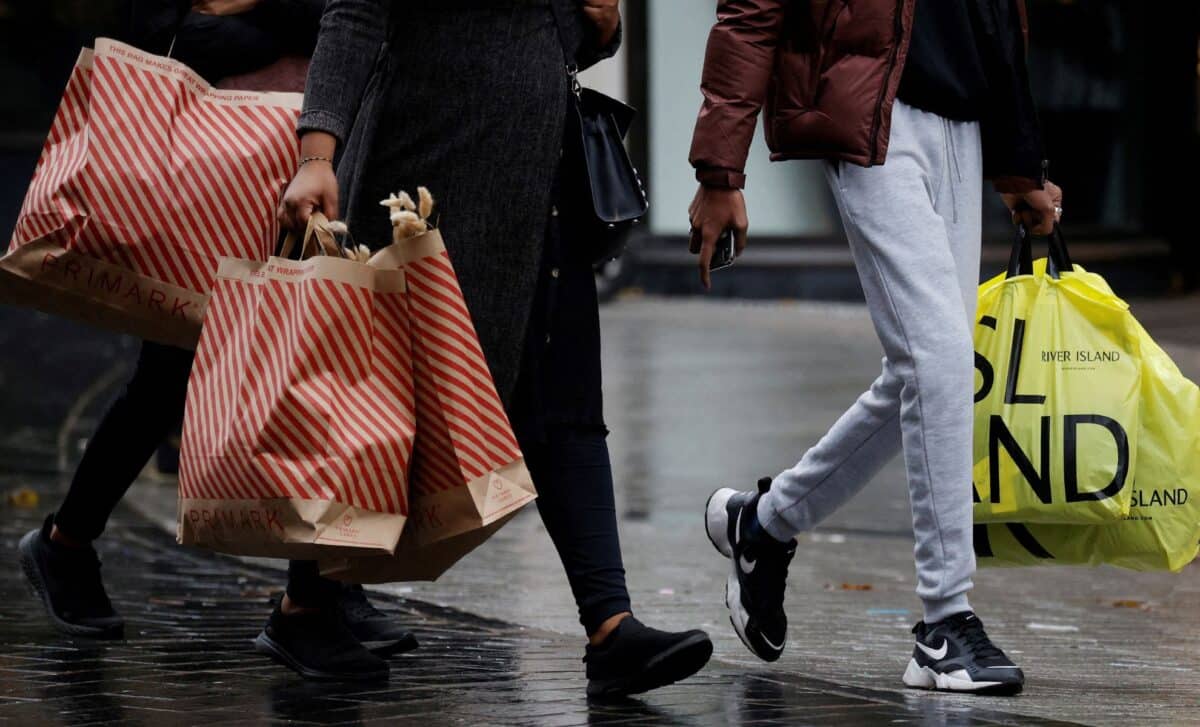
827,72
465,97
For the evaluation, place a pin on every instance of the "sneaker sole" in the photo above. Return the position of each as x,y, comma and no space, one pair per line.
675,664
33,576
922,677
264,644
716,520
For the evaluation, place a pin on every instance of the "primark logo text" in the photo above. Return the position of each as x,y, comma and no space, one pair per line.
130,290
244,518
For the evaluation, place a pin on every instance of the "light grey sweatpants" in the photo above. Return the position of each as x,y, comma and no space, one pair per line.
913,225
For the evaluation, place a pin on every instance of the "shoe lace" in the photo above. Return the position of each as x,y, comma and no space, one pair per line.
969,630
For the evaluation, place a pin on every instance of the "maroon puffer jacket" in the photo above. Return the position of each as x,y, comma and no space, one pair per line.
826,72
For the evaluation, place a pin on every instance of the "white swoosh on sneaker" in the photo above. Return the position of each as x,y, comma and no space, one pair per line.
935,654
768,642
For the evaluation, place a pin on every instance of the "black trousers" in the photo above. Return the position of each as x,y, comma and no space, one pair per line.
558,414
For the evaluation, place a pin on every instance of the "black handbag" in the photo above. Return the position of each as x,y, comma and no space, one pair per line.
601,192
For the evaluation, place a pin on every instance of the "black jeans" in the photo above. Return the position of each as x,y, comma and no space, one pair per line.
137,422
558,415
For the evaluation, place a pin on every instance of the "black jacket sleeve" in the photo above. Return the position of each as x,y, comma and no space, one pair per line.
1013,154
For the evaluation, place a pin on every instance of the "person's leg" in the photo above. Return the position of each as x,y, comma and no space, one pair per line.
558,413
913,278
920,282
575,501
58,558
142,416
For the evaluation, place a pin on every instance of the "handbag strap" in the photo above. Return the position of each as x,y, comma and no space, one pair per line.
572,68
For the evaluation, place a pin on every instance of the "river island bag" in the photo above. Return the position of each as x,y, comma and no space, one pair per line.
1059,381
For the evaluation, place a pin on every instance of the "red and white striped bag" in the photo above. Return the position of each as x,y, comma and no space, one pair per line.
147,178
300,419
468,477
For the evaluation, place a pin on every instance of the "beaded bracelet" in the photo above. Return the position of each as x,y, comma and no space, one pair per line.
306,160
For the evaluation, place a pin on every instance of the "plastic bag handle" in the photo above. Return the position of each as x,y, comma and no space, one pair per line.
1021,260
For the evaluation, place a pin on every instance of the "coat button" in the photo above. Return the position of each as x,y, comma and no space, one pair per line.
547,339
554,272
554,211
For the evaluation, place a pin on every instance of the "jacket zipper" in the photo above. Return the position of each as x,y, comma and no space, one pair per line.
887,80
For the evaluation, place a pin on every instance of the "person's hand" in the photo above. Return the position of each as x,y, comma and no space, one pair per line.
224,7
1038,210
606,16
313,189
714,210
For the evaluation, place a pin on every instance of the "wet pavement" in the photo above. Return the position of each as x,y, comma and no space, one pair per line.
187,659
697,396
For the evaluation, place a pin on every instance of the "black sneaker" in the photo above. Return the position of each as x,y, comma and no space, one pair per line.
754,592
956,655
67,580
373,628
318,645
636,658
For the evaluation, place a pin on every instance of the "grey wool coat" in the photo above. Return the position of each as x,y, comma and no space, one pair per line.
468,98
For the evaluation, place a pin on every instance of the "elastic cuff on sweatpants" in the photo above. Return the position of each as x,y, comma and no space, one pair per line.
942,608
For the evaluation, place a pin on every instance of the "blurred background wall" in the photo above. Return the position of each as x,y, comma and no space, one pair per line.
1116,81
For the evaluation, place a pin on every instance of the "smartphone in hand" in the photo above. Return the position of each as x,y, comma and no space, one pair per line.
723,253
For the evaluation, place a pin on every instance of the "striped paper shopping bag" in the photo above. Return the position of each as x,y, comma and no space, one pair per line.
469,477
300,418
148,177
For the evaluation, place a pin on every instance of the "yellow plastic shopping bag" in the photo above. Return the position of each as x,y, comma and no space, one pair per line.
1162,529
1058,377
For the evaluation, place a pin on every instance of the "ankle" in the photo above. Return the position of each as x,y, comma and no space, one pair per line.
58,537
288,607
600,635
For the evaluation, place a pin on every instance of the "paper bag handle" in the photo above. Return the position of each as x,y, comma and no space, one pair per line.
317,231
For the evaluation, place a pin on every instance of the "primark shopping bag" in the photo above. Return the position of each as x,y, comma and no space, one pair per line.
147,177
468,476
1058,387
301,412
1162,529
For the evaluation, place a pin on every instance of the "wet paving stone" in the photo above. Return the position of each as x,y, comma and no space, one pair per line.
188,659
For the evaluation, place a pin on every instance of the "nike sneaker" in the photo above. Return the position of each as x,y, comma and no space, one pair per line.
754,591
956,655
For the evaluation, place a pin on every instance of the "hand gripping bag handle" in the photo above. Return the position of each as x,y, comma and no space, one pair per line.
1021,260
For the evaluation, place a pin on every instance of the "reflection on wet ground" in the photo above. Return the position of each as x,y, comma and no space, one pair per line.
188,659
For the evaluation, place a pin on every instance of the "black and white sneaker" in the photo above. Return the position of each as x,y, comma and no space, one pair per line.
378,631
68,583
956,655
754,591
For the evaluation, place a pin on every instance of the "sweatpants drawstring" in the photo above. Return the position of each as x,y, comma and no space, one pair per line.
952,164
